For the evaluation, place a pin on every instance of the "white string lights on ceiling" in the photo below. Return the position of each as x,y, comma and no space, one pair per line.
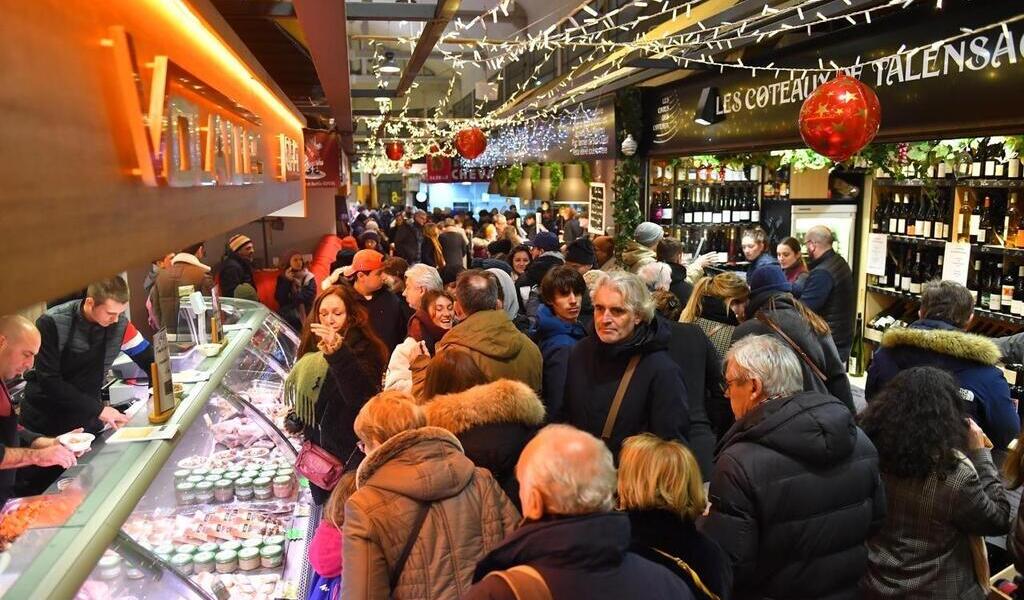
687,49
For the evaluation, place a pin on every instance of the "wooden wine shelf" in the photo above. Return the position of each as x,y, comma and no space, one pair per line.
973,182
991,183
890,182
1018,252
981,312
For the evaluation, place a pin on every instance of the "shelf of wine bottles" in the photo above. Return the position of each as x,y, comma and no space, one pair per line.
914,214
1003,317
715,212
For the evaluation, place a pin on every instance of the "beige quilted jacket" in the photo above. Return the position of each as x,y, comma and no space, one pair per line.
469,516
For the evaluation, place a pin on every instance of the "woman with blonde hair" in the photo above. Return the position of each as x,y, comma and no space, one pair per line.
431,252
422,515
714,306
661,489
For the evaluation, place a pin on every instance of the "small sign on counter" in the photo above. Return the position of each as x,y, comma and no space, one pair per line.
877,249
956,262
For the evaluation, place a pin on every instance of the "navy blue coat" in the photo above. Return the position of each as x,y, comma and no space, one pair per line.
970,358
555,338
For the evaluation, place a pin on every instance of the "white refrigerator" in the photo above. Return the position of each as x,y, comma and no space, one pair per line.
840,218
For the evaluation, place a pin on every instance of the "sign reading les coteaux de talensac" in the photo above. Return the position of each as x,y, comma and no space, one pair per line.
187,133
969,85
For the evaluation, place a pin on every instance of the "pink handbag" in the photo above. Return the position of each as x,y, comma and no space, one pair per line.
319,466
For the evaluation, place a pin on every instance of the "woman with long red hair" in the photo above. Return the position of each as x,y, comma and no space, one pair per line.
340,366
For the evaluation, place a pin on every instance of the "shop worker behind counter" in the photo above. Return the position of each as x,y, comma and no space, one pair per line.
19,344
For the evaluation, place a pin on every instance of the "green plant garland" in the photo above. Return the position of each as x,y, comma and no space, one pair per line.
626,207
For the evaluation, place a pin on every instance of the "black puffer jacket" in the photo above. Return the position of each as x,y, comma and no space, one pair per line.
233,272
778,306
795,493
655,400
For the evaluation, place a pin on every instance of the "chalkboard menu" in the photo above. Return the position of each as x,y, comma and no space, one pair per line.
597,206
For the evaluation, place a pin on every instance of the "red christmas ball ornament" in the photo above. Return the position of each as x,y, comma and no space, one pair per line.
840,117
395,150
470,143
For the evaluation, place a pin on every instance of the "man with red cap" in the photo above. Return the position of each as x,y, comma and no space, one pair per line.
385,308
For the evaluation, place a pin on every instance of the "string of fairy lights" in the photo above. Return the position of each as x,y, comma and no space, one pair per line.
517,128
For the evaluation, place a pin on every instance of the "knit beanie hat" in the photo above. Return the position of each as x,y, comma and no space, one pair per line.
648,234
546,241
768,278
237,241
245,291
581,252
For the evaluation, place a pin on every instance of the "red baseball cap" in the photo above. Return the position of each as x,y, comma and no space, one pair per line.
364,261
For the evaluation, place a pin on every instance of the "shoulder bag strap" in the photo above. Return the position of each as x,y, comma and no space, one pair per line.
613,412
414,533
689,571
525,582
800,351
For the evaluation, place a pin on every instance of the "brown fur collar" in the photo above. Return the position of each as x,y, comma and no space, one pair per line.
967,346
398,444
503,401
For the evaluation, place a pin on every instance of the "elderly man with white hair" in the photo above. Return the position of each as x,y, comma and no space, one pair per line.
829,289
573,544
622,381
424,331
795,490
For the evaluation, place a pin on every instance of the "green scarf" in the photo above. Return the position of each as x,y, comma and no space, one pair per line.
302,387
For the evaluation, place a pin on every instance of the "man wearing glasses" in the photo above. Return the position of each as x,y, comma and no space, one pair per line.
829,289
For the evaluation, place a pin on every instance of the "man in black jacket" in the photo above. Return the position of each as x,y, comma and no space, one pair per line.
796,489
386,311
236,267
571,536
670,252
625,327
829,289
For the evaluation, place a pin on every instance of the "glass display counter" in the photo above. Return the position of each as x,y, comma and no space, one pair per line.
217,510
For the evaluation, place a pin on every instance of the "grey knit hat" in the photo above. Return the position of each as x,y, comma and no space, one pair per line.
648,234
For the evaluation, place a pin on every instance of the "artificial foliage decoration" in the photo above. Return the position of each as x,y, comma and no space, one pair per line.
626,207
470,142
840,117
395,150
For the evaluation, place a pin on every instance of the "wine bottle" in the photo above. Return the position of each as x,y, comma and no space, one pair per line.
1011,222
972,280
984,292
856,364
897,270
686,208
1009,284
755,208
907,271
926,227
916,274
706,211
976,166
985,224
1018,295
964,233
892,214
995,301
910,210
901,216
990,163
975,223
730,202
716,206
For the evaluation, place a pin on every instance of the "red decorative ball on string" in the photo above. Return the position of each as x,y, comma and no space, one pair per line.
470,142
840,117
395,150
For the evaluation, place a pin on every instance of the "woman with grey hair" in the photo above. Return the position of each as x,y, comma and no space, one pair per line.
625,359
796,489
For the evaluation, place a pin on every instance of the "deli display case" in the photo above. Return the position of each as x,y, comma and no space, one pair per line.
215,512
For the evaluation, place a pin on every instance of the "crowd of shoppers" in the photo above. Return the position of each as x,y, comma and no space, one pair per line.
520,412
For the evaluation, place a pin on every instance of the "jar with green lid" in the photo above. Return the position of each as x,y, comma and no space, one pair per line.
249,559
185,493
209,547
193,478
262,488
186,549
182,563
204,492
271,557
181,475
165,550
203,562
286,472
233,475
227,561
109,567
219,472
201,472
231,545
224,490
282,486
253,542
273,540
213,478
243,489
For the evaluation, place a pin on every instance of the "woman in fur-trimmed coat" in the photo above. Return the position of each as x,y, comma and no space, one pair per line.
970,358
493,422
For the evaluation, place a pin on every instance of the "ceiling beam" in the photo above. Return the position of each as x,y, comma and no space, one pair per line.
369,37
325,26
389,11
402,54
375,93
421,79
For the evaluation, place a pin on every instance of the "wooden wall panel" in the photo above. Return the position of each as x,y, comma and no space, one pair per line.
71,211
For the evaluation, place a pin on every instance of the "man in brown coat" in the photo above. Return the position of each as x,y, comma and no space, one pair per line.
186,269
484,331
